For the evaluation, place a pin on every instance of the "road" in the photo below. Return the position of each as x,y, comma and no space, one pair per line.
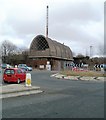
60,99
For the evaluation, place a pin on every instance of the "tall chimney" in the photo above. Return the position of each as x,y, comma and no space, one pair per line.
47,22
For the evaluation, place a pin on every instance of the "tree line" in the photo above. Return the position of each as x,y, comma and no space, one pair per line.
12,54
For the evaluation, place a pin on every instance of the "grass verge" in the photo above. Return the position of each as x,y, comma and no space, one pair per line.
83,73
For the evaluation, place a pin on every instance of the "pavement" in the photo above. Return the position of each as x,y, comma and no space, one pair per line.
14,90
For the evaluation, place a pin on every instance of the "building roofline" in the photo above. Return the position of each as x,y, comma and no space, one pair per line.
51,57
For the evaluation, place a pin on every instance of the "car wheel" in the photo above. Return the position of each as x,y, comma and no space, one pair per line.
18,81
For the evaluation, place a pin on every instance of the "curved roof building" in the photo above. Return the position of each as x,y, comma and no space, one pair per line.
46,47
47,53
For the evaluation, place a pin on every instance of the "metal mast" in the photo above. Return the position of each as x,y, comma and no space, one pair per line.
91,51
47,22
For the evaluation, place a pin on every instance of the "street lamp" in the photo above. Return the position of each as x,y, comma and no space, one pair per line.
91,51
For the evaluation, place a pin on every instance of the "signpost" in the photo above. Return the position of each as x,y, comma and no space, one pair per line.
48,66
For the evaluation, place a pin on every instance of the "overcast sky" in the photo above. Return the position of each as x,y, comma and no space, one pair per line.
78,24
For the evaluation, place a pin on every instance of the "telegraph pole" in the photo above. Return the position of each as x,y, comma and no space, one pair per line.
47,21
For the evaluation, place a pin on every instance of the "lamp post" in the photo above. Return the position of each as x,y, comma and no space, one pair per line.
91,56
91,51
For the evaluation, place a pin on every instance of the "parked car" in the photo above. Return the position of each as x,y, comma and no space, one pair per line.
24,66
16,75
5,65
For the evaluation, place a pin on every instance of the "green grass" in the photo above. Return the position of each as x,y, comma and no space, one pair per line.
83,73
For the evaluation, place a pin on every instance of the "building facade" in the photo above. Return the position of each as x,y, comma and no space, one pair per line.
45,51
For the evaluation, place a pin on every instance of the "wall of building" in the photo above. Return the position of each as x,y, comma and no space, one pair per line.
56,64
36,63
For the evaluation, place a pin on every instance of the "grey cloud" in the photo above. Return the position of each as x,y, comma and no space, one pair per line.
24,22
80,12
66,23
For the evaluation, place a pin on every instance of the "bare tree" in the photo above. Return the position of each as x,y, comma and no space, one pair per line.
7,49
12,54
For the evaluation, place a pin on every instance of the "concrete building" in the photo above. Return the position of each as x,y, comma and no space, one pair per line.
45,51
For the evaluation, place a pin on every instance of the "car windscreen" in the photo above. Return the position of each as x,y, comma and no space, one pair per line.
9,71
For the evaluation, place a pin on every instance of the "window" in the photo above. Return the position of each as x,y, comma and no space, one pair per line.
19,71
39,43
9,71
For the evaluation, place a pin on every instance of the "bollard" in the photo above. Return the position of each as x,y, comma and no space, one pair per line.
28,79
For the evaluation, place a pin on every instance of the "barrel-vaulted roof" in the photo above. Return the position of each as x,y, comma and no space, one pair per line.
46,47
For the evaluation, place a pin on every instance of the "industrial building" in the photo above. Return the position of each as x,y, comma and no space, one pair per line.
45,52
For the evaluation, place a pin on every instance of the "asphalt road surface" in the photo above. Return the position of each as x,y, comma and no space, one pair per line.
60,99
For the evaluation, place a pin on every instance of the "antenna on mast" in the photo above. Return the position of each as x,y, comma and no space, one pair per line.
47,22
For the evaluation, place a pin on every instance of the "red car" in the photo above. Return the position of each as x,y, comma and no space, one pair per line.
14,75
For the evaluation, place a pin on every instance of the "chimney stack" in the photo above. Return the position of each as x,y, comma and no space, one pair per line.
47,22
